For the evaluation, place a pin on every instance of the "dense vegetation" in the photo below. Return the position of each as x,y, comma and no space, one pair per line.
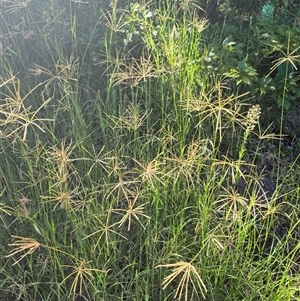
149,150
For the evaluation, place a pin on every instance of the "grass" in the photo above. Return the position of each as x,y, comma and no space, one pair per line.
129,173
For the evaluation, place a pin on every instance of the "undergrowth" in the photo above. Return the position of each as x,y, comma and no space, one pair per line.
129,167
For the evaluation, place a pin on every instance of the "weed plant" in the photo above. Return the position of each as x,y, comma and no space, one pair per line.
128,167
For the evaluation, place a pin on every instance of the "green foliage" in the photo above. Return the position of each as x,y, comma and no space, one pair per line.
247,47
243,74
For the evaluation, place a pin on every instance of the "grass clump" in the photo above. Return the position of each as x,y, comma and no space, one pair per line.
132,170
